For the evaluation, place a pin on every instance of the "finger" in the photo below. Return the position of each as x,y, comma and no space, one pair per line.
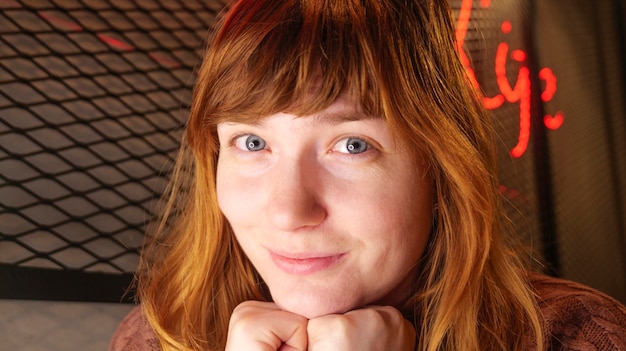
391,317
371,328
262,326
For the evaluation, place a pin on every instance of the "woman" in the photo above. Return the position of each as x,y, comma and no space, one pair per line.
336,191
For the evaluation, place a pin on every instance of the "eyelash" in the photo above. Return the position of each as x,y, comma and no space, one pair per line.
235,139
370,146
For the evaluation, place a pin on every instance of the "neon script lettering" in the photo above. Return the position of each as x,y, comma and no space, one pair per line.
521,92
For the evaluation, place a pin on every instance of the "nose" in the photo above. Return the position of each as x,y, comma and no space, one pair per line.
296,198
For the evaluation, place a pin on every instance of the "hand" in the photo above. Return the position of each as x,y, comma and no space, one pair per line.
262,326
372,328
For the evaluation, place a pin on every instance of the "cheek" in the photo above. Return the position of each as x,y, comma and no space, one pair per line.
230,195
241,200
231,201
222,188
403,216
402,231
398,200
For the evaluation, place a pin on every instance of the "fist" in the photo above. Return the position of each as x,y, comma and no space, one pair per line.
371,328
262,326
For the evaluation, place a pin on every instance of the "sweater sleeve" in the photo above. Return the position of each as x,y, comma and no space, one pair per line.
579,318
134,334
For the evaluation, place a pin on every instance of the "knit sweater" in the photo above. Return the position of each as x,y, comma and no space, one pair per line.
576,318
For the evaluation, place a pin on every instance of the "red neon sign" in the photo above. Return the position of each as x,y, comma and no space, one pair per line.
521,92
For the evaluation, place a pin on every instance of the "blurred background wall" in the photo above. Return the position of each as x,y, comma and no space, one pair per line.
93,94
553,75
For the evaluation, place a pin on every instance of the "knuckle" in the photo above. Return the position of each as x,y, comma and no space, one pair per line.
242,325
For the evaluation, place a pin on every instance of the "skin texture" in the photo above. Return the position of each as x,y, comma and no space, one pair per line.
328,230
263,326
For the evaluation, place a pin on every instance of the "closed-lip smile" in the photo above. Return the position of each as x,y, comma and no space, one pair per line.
304,264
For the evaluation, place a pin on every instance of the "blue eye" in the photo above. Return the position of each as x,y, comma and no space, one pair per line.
352,146
250,142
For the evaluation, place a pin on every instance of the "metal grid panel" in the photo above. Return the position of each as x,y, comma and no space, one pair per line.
92,97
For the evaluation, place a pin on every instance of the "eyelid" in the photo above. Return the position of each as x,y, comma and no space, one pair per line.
371,145
238,137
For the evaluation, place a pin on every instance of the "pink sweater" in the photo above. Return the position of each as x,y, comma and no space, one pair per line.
576,318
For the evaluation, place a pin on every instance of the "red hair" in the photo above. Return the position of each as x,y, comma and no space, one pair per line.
398,60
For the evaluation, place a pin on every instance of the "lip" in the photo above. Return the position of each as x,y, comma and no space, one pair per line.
304,264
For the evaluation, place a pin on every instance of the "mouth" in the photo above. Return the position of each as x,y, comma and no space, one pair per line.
304,264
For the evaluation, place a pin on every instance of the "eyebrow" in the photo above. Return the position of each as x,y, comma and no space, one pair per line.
324,118
340,117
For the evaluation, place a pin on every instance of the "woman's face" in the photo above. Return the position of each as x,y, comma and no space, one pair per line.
332,211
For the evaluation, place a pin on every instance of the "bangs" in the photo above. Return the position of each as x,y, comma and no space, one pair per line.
292,56
394,60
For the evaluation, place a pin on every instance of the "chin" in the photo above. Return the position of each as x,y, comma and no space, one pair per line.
312,311
316,306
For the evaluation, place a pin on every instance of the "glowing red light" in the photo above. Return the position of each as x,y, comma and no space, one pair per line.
511,193
115,42
518,55
164,60
502,189
546,75
67,24
523,81
461,31
492,103
554,122
506,27
521,92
